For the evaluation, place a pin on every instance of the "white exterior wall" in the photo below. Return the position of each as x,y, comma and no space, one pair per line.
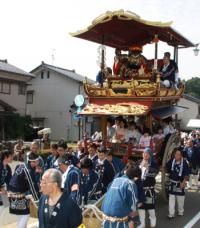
52,99
191,113
14,99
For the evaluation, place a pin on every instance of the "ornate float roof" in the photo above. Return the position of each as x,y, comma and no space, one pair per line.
99,107
122,29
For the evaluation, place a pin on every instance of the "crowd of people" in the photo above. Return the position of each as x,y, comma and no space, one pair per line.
68,180
121,130
135,65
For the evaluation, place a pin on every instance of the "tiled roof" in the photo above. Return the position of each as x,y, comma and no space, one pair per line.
7,107
68,73
6,67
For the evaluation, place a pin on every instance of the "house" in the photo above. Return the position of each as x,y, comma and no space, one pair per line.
193,111
13,82
50,101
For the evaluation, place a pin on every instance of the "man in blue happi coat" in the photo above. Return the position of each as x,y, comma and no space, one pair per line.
178,171
149,171
92,150
71,178
56,208
192,153
104,169
34,148
100,77
5,174
168,72
23,182
51,159
117,163
62,150
120,200
90,185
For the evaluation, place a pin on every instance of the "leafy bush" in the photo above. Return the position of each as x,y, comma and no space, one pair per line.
192,87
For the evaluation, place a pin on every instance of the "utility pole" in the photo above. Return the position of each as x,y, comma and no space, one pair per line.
53,56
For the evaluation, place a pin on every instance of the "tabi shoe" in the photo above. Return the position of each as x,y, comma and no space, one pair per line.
170,216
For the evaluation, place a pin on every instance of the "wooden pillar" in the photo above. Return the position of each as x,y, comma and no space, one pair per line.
176,54
156,50
79,128
149,122
176,119
104,129
156,53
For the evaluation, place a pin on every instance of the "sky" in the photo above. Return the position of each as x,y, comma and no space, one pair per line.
34,30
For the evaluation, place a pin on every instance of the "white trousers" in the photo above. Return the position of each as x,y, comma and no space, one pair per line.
22,220
172,201
152,217
1,211
193,177
165,83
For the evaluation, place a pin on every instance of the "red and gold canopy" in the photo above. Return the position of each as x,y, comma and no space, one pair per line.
122,30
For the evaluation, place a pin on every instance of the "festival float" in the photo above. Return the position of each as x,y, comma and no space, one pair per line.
131,91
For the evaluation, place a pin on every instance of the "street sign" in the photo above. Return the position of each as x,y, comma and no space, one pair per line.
79,101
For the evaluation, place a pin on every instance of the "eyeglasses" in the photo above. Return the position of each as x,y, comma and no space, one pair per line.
45,182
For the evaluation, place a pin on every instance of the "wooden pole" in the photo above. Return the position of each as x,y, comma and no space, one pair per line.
177,55
156,50
149,122
156,53
103,54
176,119
104,129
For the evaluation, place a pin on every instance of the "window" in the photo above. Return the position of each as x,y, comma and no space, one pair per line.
42,75
38,122
21,89
29,97
48,74
5,87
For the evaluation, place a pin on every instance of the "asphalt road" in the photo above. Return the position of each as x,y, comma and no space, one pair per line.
192,207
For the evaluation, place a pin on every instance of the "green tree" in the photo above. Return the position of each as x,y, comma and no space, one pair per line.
17,126
193,87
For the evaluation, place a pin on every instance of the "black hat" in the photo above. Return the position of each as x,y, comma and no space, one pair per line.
103,149
66,159
167,54
86,163
33,157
